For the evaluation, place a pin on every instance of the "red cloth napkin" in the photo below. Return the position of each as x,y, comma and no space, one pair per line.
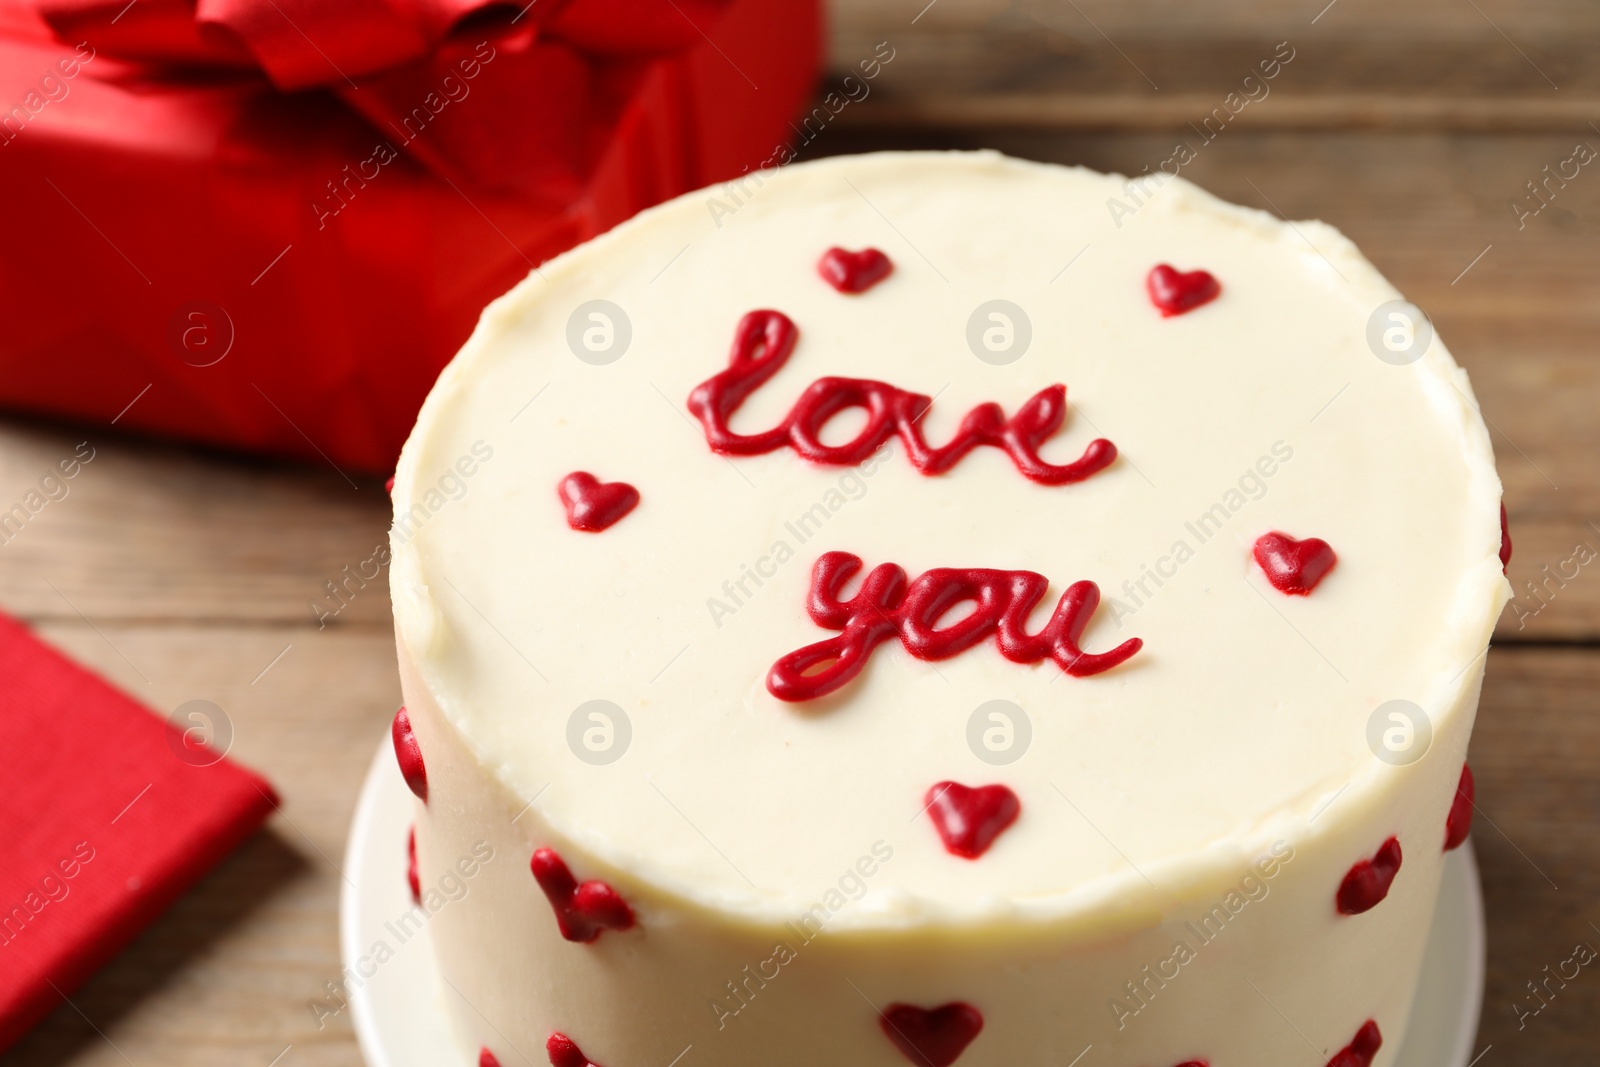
107,814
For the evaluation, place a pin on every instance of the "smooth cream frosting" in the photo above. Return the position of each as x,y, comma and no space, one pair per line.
1246,711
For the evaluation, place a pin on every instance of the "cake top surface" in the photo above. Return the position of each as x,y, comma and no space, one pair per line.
619,679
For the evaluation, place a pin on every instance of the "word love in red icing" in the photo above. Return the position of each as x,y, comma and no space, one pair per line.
931,1036
1175,292
968,819
409,753
582,911
1362,1048
762,344
1459,823
885,606
564,1052
1369,880
593,505
854,272
1294,567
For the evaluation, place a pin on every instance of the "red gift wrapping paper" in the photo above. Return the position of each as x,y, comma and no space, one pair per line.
108,814
267,224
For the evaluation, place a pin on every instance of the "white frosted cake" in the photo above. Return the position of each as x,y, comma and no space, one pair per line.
937,608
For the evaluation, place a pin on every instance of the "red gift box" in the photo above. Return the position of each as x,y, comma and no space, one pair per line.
267,224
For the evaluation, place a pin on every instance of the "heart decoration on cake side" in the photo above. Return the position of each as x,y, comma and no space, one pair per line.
1459,823
969,819
1369,880
412,878
1293,566
1361,1049
409,753
934,1037
584,911
593,505
1505,542
1175,292
564,1052
854,272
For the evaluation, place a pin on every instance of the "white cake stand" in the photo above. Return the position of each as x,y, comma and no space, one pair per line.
400,1017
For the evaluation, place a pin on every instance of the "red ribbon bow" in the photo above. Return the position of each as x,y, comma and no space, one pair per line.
547,80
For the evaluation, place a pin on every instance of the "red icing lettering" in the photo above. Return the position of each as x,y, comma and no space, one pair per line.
409,753
1294,567
1505,541
1175,292
564,1052
487,1059
412,879
593,505
854,272
1361,1049
1459,823
931,1037
968,819
762,344
1369,880
886,606
584,911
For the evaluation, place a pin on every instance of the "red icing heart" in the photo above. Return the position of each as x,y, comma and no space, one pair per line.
486,1059
582,911
1361,1049
1369,880
1176,292
564,1052
1505,541
1294,567
931,1036
970,819
593,505
1459,823
412,878
409,753
854,272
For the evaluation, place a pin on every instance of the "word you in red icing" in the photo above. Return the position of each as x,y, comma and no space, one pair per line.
1174,292
1361,1049
1294,567
969,819
854,272
412,878
886,606
1459,822
593,505
564,1052
584,911
409,753
1369,880
762,344
931,1037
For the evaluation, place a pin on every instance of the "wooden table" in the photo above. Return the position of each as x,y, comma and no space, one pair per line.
1410,125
